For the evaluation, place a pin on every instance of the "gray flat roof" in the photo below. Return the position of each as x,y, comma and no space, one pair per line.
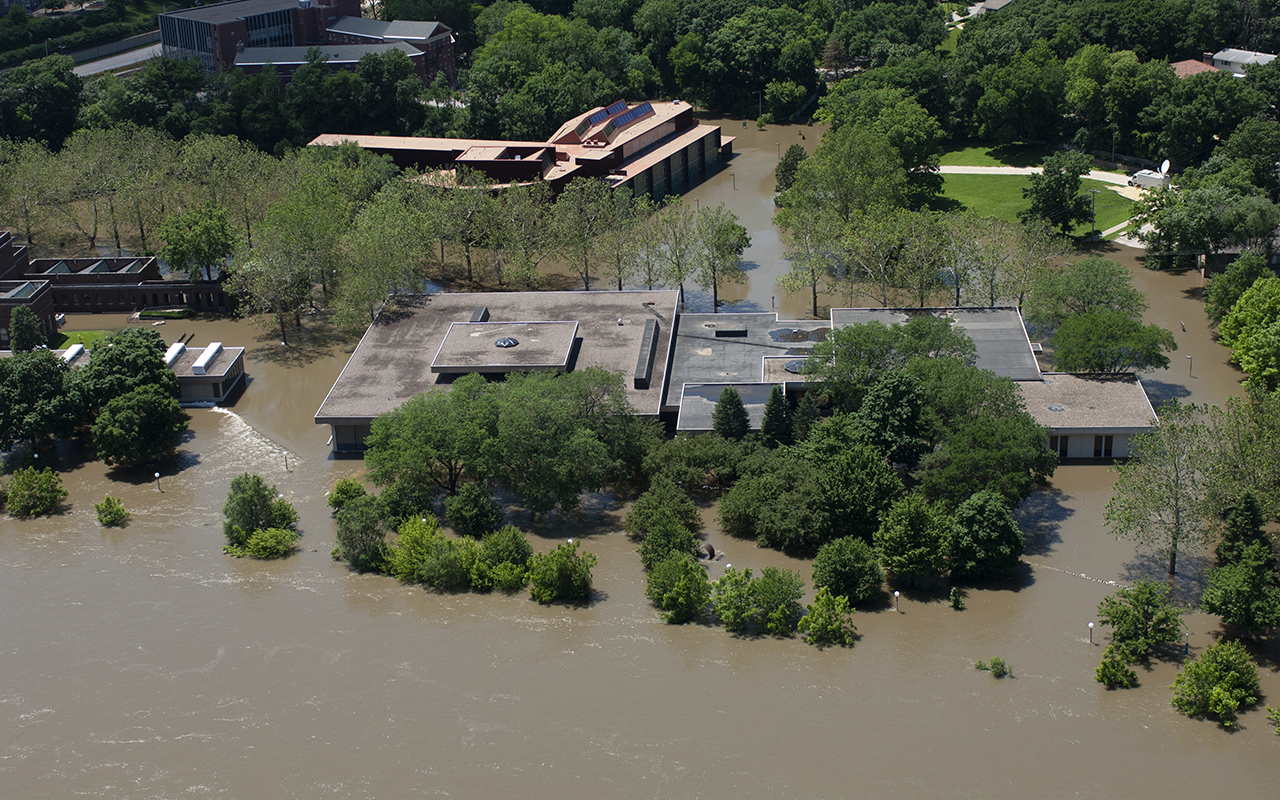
998,334
337,53
218,369
226,12
397,29
393,361
698,403
1066,402
473,347
730,348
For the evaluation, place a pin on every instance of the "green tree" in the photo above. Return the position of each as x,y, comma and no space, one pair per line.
1114,670
1160,495
344,491
733,598
986,541
34,405
199,239
34,493
412,546
662,498
779,503
271,285
1244,528
123,362
776,427
1244,593
1221,682
729,419
472,512
137,427
24,329
1110,341
804,418
40,100
1055,192
720,255
889,418
362,533
579,217
1091,284
848,567
678,586
252,506
111,512
912,540
1140,617
267,544
828,620
666,535
776,595
1004,454
785,172
1222,291
562,575
851,170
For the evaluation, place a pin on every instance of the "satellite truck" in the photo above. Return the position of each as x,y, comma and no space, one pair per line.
1150,179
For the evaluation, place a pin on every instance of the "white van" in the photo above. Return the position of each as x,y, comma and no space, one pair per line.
1149,179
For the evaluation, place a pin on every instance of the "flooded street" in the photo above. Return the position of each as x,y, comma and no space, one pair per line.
143,663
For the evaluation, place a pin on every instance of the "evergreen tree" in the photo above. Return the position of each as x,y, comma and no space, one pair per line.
1244,528
776,427
730,418
804,417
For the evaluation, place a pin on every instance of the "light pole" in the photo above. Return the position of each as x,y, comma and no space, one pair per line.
1093,209
759,103
735,181
895,600
1189,365
779,146
1090,633
158,489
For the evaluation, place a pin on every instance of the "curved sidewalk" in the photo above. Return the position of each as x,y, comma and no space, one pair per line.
1097,175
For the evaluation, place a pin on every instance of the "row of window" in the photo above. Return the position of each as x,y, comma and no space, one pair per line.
1101,446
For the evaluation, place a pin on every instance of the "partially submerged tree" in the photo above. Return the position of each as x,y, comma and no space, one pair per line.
1110,341
1141,617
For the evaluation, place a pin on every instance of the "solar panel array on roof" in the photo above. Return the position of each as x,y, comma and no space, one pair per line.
598,117
634,114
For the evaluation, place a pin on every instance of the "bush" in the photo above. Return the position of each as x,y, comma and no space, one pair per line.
996,667
678,585
406,499
183,313
1219,683
362,533
33,493
731,597
506,546
663,496
450,564
666,536
1141,617
985,540
253,506
828,620
344,491
111,512
562,575
1114,670
266,544
848,567
411,548
956,599
913,538
471,512
509,578
771,601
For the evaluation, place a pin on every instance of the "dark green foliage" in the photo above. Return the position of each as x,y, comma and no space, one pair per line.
733,598
998,667
507,545
406,500
777,600
1005,454
666,535
199,239
139,426
562,575
180,313
729,419
111,512
24,330
1243,528
1222,681
953,393
39,99
449,565
1055,193
472,512
1114,670
848,567
913,538
121,363
344,491
985,541
855,485
678,586
251,506
956,598
889,418
266,544
1109,341
775,429
33,404
781,508
362,533
34,493
1244,592
785,172
1141,617
828,620
805,416
1222,292
1091,284
662,497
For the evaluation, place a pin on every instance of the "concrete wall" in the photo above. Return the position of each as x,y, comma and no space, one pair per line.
111,48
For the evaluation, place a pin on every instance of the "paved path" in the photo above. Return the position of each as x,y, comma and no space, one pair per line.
118,61
1097,175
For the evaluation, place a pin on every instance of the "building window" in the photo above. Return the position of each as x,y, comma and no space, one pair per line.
1102,447
1058,444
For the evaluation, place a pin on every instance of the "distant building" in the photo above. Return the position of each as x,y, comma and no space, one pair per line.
1235,61
1185,69
655,148
287,60
35,295
252,33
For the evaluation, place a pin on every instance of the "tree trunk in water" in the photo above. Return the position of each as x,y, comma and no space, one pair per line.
815,301
284,336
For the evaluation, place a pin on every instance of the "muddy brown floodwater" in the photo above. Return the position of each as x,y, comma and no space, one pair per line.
143,663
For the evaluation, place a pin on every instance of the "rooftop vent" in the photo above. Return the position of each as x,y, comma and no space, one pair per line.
173,353
1056,408
795,367
73,352
207,358
507,341
481,314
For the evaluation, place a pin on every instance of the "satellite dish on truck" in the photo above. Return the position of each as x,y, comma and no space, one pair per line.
1164,167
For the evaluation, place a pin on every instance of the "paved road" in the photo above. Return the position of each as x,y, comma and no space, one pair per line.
118,61
1105,177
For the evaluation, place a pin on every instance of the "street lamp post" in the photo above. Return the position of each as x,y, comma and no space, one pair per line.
735,181
1090,633
158,489
779,146
1189,365
1093,209
895,599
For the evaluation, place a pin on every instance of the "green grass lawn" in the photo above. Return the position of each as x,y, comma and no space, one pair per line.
949,44
62,340
1005,155
1001,196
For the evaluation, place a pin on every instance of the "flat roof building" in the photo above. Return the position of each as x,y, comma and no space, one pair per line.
1089,416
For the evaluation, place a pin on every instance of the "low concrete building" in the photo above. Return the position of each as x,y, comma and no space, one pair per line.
1089,416
426,341
207,376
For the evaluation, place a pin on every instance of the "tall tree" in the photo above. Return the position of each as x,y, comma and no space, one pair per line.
1055,192
1110,341
581,214
199,239
730,418
913,538
723,241
1160,495
776,427
24,330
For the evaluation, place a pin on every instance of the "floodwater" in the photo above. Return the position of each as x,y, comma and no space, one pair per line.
144,663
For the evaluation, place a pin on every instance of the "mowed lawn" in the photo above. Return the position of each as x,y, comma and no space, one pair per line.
1001,196
1005,155
61,340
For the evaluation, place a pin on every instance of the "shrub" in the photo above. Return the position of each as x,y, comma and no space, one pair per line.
848,567
678,585
407,499
344,491
828,620
412,545
509,578
1114,670
362,532
662,496
913,538
268,543
182,313
561,575
1141,617
666,536
1217,684
996,667
253,506
471,512
777,594
506,546
985,540
731,597
449,565
956,599
33,493
1243,593
111,511
1273,714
